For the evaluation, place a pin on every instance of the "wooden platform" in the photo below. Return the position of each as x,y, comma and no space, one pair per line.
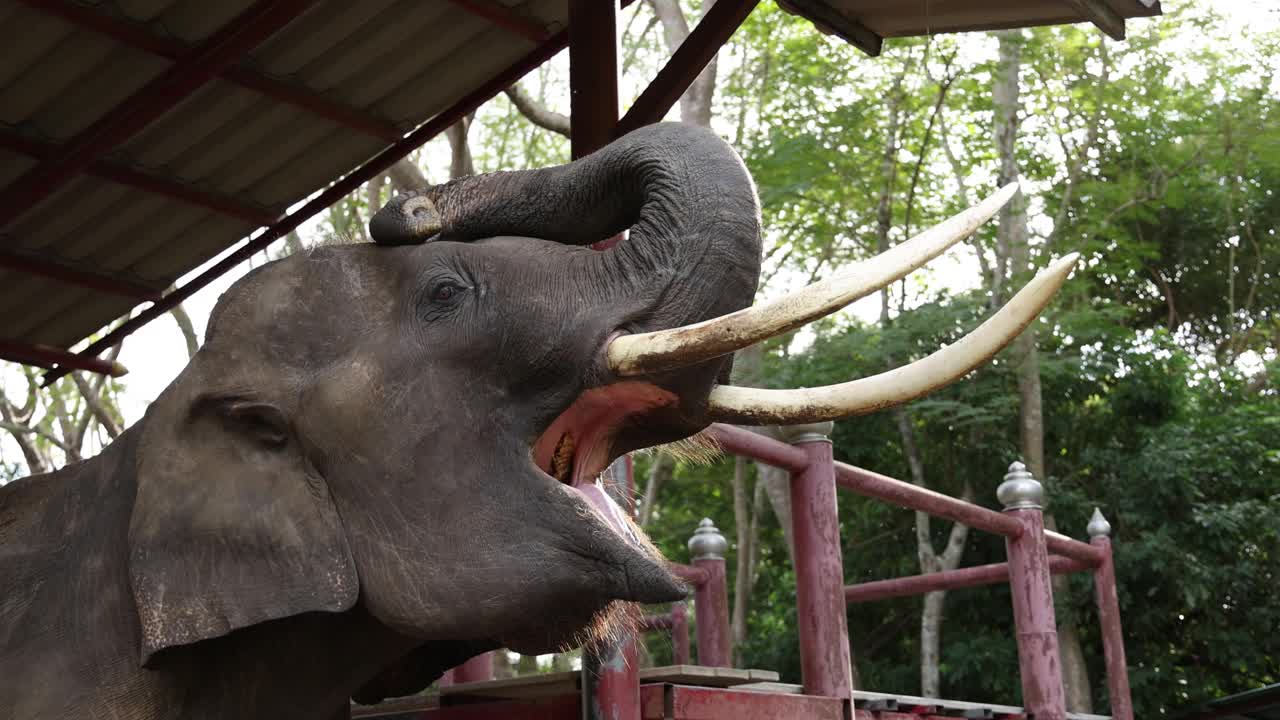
679,692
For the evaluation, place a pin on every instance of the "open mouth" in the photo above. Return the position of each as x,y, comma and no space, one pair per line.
577,446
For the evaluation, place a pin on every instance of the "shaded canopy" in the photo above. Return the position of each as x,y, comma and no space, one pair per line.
140,138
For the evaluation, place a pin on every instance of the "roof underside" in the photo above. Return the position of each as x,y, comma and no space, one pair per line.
122,168
866,23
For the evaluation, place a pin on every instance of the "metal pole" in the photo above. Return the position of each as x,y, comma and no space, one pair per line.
707,548
611,668
680,634
477,669
1033,616
820,608
1104,588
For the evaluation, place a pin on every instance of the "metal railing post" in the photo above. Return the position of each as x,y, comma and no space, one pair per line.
820,608
707,548
1104,589
680,633
611,667
1033,616
476,669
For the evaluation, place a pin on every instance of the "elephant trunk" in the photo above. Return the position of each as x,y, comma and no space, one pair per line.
686,197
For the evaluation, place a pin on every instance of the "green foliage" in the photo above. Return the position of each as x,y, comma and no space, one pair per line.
1157,159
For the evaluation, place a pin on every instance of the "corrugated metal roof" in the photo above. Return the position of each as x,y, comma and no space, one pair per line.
288,112
396,62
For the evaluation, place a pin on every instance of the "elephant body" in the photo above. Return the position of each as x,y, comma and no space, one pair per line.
382,461
71,634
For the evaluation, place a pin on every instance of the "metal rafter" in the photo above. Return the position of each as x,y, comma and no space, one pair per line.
156,184
332,194
505,17
46,356
69,275
188,73
702,44
138,37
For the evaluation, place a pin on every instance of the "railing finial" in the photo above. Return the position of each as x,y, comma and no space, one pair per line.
707,542
1020,489
807,432
1098,525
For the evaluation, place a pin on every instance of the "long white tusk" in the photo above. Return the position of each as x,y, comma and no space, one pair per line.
679,347
757,406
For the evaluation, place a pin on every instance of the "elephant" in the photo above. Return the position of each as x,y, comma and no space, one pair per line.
384,459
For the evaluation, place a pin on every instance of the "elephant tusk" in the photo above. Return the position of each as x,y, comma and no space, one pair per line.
756,406
679,347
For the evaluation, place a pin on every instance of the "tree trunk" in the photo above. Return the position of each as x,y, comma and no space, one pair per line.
747,530
659,473
406,176
1013,260
461,164
695,104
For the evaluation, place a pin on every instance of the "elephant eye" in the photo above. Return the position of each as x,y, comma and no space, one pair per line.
446,292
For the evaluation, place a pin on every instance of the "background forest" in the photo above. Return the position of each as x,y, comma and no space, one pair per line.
1149,389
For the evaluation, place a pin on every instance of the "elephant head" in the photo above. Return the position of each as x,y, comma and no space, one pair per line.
415,427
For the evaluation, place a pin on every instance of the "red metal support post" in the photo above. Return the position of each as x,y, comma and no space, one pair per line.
680,633
707,549
1104,588
820,608
593,74
477,669
1033,616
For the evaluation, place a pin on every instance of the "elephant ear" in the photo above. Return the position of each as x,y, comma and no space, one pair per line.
231,526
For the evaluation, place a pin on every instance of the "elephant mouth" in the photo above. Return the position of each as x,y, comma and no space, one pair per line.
577,446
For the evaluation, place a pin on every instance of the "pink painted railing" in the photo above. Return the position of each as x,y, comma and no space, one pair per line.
676,623
821,594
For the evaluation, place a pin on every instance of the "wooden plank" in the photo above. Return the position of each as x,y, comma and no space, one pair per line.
520,688
705,676
773,687
701,703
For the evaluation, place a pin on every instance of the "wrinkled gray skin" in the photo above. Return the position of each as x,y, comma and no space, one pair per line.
336,496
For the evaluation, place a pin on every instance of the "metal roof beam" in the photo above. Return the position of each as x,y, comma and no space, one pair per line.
168,187
1101,15
138,37
702,44
332,194
80,278
593,75
505,17
46,356
189,73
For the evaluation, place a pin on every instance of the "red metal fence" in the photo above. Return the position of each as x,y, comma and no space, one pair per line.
821,596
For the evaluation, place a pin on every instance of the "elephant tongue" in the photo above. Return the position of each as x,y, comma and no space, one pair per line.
599,498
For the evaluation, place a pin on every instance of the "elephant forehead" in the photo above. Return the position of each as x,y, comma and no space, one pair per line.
352,390
311,310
